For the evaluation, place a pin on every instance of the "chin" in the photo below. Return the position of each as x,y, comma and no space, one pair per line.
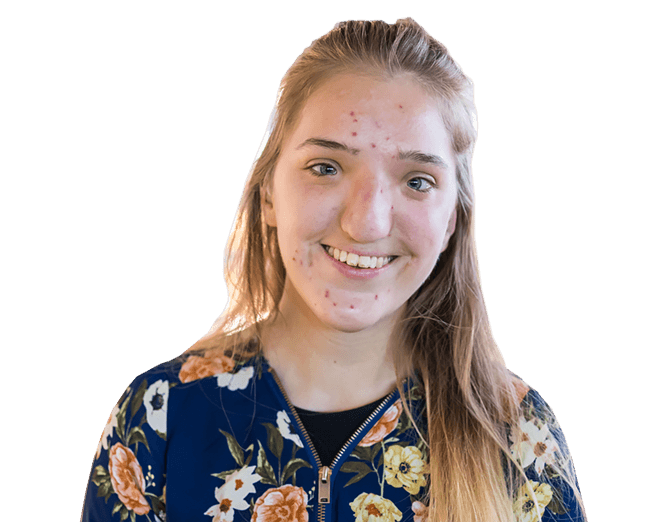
350,321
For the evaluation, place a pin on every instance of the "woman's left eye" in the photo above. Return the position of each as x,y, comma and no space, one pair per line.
420,184
323,169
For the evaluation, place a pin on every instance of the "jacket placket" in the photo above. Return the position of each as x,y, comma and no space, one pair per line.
327,474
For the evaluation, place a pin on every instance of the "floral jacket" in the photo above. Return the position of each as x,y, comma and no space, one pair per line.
203,438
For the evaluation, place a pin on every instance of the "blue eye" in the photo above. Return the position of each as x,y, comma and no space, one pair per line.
420,184
323,169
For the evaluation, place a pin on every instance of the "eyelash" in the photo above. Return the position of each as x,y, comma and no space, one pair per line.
315,170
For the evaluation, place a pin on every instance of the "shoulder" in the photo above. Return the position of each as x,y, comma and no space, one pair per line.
538,445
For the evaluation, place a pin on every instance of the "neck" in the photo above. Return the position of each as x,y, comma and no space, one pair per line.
325,369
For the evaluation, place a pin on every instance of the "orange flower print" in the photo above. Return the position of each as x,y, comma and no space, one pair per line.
420,511
212,363
127,479
520,388
384,426
283,504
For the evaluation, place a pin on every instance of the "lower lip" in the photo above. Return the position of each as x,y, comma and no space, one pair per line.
356,273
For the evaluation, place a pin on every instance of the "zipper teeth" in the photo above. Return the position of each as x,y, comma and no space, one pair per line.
360,429
304,433
320,507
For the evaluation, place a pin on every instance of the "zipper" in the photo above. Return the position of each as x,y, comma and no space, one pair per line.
324,472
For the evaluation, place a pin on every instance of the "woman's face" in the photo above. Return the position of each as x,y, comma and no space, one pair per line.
363,198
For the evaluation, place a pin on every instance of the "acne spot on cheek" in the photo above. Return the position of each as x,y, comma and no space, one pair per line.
355,120
326,294
352,306
334,304
352,113
376,297
400,106
373,145
354,134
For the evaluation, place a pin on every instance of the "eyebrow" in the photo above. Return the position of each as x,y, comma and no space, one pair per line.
328,144
411,155
422,157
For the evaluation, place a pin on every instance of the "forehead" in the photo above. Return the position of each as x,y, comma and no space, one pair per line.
396,112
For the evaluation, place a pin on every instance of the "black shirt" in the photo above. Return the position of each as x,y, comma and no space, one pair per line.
330,431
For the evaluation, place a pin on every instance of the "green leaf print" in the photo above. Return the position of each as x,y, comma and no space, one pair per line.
275,439
138,398
137,435
122,413
100,475
360,468
556,505
264,469
291,468
234,448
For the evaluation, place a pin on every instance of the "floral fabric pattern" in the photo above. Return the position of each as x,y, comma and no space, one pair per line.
211,439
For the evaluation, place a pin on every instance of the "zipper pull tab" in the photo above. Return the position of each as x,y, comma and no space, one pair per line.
324,485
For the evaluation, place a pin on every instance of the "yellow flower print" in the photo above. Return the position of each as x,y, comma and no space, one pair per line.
405,468
524,506
369,507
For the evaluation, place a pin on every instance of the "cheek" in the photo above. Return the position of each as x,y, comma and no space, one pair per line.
305,215
425,232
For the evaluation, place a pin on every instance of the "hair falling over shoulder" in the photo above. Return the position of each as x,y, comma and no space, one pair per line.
471,398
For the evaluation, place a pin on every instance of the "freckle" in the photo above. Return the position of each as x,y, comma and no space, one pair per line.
326,294
351,306
373,145
354,134
376,297
310,263
294,259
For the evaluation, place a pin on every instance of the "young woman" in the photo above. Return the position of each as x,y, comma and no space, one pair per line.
353,375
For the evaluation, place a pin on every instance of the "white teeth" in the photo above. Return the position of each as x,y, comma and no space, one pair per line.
357,260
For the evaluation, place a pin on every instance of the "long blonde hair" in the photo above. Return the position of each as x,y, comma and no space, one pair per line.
445,333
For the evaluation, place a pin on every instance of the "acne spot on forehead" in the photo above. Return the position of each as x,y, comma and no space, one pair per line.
352,113
400,106
352,306
376,297
334,304
373,145
326,294
355,120
354,134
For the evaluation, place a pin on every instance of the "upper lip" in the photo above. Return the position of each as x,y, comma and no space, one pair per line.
359,252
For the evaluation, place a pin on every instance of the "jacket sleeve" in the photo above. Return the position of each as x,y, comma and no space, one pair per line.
539,445
127,479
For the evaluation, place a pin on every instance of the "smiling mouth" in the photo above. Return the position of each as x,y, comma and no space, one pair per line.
357,261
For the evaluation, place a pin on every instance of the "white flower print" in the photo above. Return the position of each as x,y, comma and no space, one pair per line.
155,401
231,495
533,444
236,381
112,423
285,427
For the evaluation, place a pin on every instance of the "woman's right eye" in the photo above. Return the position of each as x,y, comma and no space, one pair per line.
323,169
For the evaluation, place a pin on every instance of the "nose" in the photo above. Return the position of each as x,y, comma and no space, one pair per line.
367,213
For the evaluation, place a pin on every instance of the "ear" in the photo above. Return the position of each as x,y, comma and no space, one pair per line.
451,226
268,210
